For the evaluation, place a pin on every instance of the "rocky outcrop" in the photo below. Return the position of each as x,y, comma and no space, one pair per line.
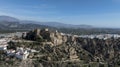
45,35
73,54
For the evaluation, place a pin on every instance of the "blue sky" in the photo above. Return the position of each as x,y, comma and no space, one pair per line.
101,13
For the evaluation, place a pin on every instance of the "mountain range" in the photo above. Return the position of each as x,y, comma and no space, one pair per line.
11,22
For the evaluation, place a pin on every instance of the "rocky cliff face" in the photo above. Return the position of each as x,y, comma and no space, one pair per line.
102,50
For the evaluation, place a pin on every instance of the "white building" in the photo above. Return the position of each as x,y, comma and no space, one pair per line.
101,36
3,44
3,47
22,54
11,52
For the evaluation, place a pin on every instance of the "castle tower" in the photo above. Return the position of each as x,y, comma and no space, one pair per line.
37,31
46,29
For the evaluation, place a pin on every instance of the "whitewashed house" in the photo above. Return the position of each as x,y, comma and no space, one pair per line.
3,47
22,54
3,44
10,52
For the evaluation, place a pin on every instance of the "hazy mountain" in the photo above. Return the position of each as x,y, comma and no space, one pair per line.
8,19
11,23
14,22
57,24
62,25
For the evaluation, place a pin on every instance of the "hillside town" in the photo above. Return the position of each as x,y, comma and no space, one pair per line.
101,36
20,52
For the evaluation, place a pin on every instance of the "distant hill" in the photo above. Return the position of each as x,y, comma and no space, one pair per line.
8,24
62,25
58,24
11,23
14,22
8,19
